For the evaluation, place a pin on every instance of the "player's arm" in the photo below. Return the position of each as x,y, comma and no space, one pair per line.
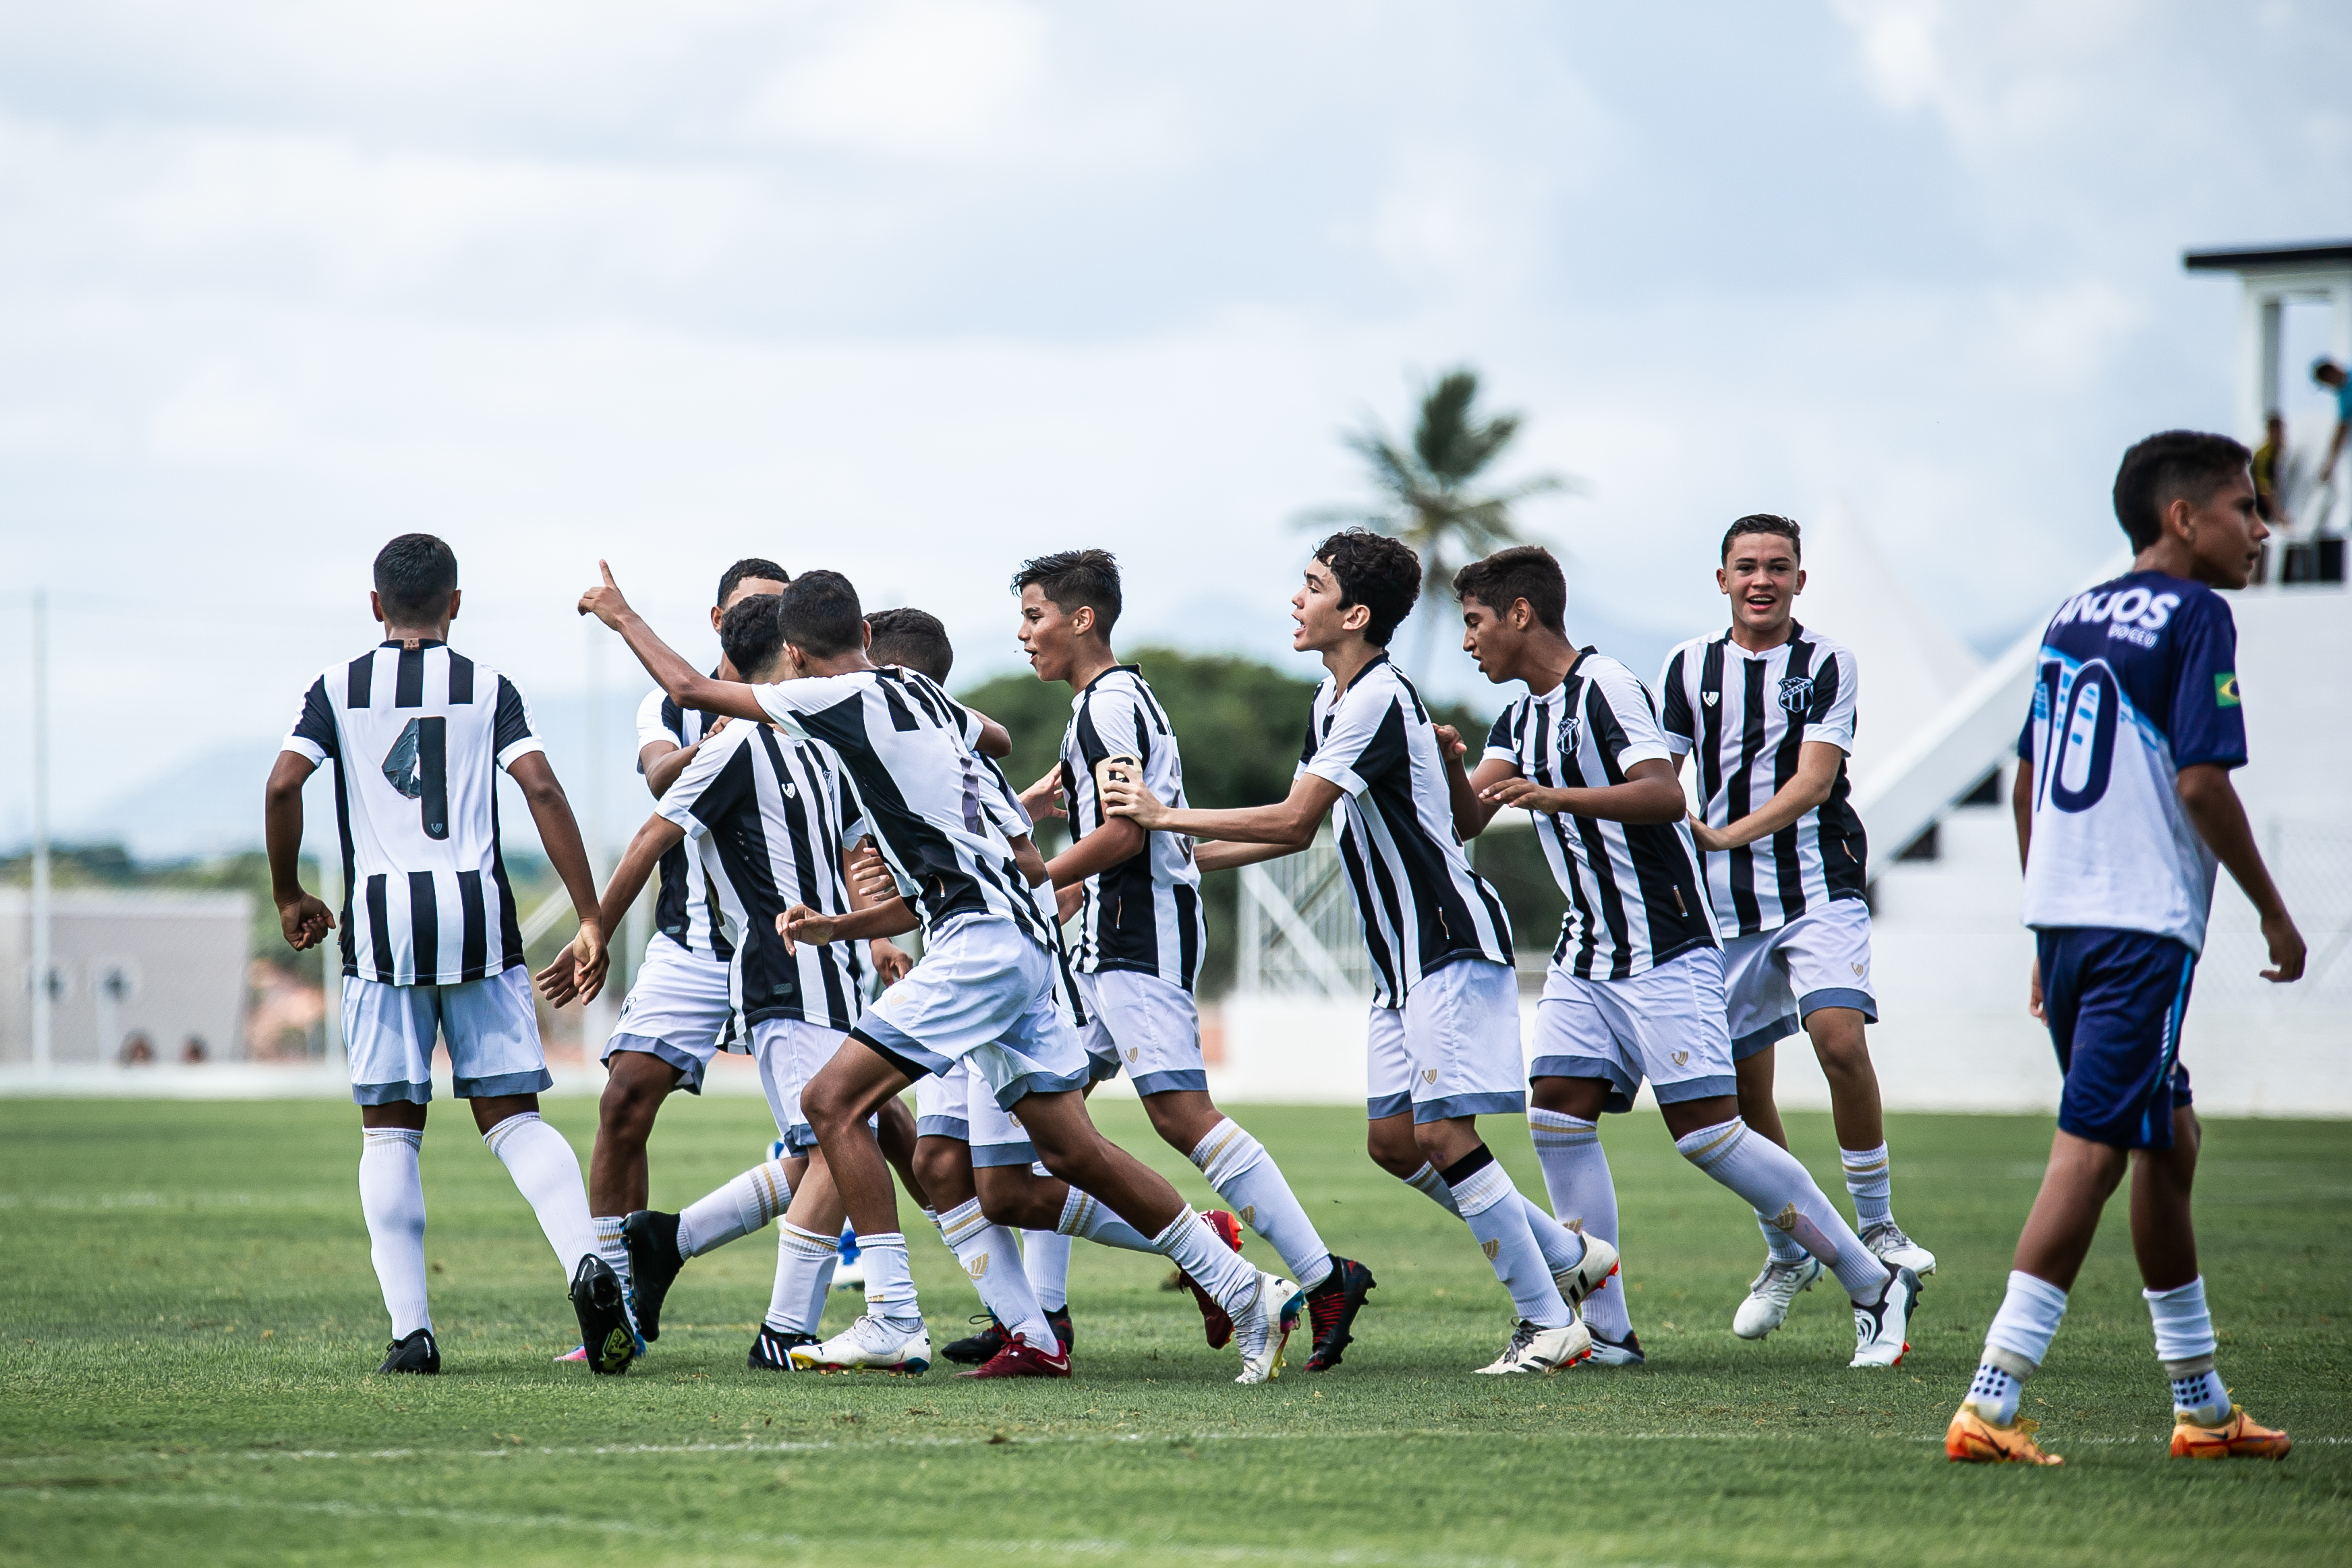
559,835
2213,807
1116,841
994,740
1817,768
560,981
801,924
687,686
889,959
662,763
1651,793
1223,856
305,919
1287,825
1471,814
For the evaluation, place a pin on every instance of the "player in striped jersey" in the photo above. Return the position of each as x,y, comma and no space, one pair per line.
1140,930
1635,986
983,991
418,732
1445,1025
1769,708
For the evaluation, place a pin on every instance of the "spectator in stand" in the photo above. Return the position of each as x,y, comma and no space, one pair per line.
2330,374
2270,461
138,1050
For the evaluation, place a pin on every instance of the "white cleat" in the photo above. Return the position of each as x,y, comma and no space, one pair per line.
1590,1272
869,1344
1766,1306
1541,1351
1897,1250
1263,1328
1881,1329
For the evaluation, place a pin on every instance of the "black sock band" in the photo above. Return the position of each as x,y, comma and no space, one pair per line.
1468,1166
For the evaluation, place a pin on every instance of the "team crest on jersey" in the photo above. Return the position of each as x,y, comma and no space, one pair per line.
1710,698
1571,732
1796,693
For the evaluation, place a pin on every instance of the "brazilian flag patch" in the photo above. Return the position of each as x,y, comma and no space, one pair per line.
2225,689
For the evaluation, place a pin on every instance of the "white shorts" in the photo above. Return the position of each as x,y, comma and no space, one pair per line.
982,992
1453,1050
958,1104
490,1025
1665,1025
789,1053
1149,1027
679,1009
1775,979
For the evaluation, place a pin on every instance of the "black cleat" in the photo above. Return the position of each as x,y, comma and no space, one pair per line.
420,1352
653,1263
1059,1320
978,1350
603,1314
1626,1352
1332,1306
772,1350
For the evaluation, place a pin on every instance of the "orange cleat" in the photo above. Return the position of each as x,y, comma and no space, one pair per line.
2239,1437
1973,1440
1215,1323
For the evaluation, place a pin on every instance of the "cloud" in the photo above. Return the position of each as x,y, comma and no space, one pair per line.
914,79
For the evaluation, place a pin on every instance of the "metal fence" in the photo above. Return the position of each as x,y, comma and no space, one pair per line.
1295,929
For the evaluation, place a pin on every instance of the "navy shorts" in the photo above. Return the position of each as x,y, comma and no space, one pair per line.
2116,1000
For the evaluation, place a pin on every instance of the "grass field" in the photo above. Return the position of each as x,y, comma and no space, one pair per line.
191,1328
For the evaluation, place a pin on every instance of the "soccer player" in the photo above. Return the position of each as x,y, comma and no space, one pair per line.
431,942
1445,1025
983,989
1635,986
1768,707
2124,806
1141,931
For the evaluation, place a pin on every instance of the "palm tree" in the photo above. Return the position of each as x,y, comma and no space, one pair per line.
1428,499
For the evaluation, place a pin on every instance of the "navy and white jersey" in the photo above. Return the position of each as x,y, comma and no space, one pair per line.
1143,914
1422,906
682,907
767,816
1636,892
417,732
942,816
1748,716
2137,680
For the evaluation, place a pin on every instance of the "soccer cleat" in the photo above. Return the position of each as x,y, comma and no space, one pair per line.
1971,1439
849,1274
1215,1322
1626,1352
418,1352
1058,1320
1331,1308
1589,1274
1541,1351
1019,1358
580,1351
1897,1250
869,1344
979,1349
654,1261
1769,1295
1881,1329
603,1314
772,1350
1265,1325
2239,1437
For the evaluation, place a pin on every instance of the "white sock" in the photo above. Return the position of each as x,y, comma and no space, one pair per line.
1491,1208
1238,1168
804,1258
547,1173
1045,1259
1431,1185
2015,1345
1584,1196
1191,1246
2185,1343
392,1197
1773,1183
1870,1178
992,1260
733,1211
889,1284
1995,1390
1778,1242
611,1246
1082,1215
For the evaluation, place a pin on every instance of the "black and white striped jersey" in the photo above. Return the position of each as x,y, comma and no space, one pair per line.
1635,893
1422,906
1747,716
768,817
942,816
417,732
1143,914
682,907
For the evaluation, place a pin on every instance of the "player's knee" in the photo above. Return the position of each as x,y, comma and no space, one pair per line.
1396,1154
827,1104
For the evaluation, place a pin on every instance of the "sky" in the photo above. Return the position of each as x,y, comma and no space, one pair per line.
914,288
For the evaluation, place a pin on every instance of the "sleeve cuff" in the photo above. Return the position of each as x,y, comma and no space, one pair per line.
680,815
303,746
1836,735
518,750
2237,760
1647,751
1500,754
1335,773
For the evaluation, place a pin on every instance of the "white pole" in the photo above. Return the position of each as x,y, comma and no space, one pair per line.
42,995
330,951
605,1012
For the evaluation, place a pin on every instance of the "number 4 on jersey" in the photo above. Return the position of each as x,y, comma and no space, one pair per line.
418,767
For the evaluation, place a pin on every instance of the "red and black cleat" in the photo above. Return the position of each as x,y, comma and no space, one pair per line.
1331,1308
1213,1321
1019,1358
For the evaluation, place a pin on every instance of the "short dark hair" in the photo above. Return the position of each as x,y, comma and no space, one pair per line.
1522,572
2324,363
1072,578
2169,467
750,633
750,566
913,638
415,576
1765,523
1376,571
820,616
